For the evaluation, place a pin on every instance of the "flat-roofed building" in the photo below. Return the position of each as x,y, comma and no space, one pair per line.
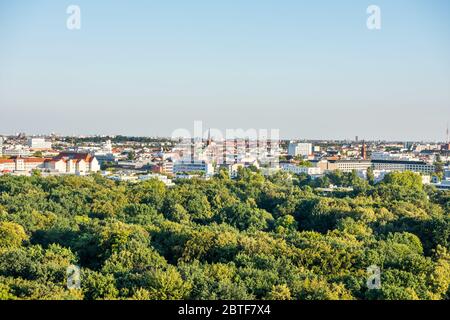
295,169
193,166
300,149
414,166
348,165
37,144
443,185
165,167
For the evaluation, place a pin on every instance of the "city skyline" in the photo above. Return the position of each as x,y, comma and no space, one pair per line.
146,69
295,138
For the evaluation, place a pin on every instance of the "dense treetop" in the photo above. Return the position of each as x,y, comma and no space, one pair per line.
248,238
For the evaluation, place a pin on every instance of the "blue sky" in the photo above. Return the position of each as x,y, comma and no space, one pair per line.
309,68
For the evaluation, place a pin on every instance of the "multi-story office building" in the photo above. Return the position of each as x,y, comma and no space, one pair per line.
381,165
414,166
292,168
16,151
165,166
300,149
39,144
193,166
349,165
391,156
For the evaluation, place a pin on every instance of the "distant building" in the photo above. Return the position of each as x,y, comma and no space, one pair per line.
443,185
7,165
300,149
193,166
16,151
74,163
364,151
105,157
39,144
19,164
379,165
348,165
378,175
106,153
391,156
168,182
414,166
447,173
292,168
233,169
165,167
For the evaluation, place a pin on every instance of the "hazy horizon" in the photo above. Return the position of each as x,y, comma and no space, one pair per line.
310,69
307,139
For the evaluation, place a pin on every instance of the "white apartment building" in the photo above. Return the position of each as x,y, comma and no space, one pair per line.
168,182
379,175
22,164
7,165
292,168
39,144
381,165
300,149
79,164
414,166
391,156
193,166
349,165
74,163
447,173
17,151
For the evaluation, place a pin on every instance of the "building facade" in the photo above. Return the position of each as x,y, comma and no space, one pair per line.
349,165
193,166
300,149
37,144
292,168
414,166
64,163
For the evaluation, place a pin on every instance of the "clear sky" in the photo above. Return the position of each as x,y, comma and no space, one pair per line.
309,68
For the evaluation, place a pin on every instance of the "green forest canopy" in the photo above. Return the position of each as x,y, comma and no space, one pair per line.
248,238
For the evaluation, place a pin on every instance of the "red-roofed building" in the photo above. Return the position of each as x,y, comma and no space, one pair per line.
64,163
75,163
7,165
